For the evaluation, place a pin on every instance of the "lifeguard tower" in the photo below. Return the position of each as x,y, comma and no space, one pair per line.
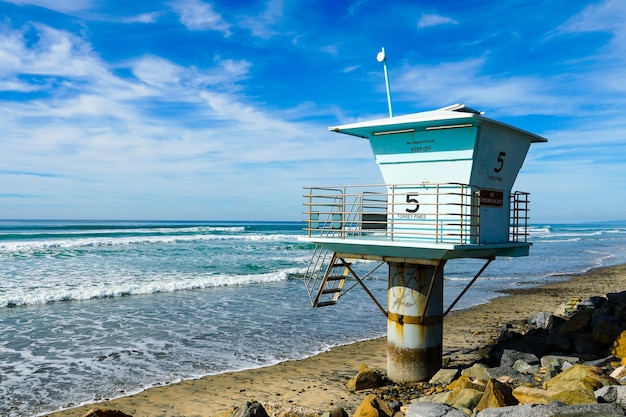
448,177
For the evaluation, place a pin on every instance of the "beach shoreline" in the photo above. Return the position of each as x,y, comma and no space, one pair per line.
319,382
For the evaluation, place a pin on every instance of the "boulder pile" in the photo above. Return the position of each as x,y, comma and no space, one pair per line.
570,362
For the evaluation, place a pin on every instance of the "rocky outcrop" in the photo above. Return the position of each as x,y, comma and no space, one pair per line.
496,394
366,378
250,409
372,406
105,412
571,362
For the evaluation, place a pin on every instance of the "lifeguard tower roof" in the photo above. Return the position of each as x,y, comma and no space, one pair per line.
448,177
458,113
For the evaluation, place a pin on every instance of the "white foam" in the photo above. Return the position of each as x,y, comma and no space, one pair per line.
125,287
24,247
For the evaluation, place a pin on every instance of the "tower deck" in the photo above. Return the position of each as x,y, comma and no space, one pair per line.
381,222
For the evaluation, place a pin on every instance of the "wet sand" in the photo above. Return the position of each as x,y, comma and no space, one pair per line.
319,382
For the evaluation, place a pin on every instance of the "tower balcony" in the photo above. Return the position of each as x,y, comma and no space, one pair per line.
417,221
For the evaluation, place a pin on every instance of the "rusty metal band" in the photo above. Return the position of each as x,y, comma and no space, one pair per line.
419,320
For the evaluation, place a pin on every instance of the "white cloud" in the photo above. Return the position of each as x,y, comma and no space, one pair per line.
430,20
607,16
330,49
167,132
58,5
262,24
198,16
142,18
157,71
165,75
56,52
465,82
351,68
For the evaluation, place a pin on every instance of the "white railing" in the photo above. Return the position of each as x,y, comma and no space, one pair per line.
518,230
434,213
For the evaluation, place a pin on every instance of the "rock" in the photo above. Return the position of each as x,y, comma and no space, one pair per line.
337,412
606,332
105,412
580,377
250,409
586,346
529,410
366,378
566,365
617,297
466,398
506,334
555,323
620,311
433,410
553,364
496,394
605,316
506,371
533,342
395,405
619,373
476,371
601,362
529,395
441,397
592,303
556,342
462,382
619,346
509,357
576,396
524,367
578,323
541,320
372,406
555,410
444,377
612,394
568,308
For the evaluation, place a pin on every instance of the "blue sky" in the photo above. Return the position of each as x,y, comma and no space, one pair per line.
189,109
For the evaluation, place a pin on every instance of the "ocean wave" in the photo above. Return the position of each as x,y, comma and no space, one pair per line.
539,231
23,246
42,295
573,239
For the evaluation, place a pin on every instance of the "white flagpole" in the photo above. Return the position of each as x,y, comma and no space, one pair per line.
381,57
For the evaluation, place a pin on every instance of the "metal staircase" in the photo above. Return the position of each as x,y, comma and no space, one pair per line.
325,277
327,273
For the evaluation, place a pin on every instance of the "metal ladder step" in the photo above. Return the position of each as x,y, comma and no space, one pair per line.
331,290
326,303
335,278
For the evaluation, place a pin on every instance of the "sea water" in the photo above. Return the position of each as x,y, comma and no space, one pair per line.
93,310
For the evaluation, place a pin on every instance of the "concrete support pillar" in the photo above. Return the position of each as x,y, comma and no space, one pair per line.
414,321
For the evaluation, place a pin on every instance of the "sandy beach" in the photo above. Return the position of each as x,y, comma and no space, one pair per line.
319,382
